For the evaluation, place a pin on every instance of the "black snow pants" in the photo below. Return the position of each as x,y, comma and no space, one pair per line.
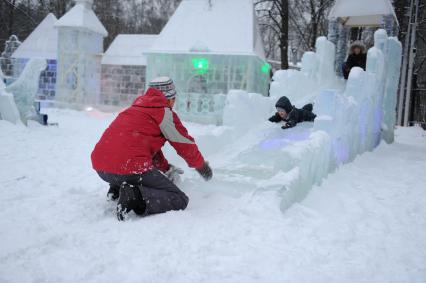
157,191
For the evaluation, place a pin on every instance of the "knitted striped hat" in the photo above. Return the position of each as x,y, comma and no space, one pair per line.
165,85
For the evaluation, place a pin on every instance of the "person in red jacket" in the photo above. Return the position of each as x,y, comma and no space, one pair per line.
128,156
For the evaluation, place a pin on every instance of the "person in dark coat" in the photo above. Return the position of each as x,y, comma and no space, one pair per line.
128,156
357,58
291,115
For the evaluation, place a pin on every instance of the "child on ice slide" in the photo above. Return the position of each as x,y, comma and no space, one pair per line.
291,115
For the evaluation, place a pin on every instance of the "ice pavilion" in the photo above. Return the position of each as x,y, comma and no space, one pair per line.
211,47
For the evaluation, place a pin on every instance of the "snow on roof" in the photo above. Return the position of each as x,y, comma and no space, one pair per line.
224,27
82,16
42,42
128,49
362,12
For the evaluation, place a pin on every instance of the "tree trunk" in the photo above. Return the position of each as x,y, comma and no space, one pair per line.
314,25
284,34
314,34
11,19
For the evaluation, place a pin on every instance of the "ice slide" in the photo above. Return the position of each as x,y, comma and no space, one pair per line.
352,118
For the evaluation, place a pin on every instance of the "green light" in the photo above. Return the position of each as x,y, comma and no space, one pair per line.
201,65
265,68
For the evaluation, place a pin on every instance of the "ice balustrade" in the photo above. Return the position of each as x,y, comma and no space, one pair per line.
351,120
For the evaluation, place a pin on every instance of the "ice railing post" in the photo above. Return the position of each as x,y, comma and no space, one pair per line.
326,54
393,59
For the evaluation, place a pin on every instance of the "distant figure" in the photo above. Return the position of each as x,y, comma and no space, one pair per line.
357,58
290,115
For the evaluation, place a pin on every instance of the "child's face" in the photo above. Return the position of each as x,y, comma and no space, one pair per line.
282,113
357,50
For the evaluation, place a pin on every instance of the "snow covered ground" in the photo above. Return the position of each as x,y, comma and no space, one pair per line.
365,223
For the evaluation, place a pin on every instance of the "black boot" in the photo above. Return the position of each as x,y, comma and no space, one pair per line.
130,198
113,193
308,107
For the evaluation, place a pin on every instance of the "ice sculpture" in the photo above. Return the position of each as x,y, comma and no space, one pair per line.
10,46
25,88
8,110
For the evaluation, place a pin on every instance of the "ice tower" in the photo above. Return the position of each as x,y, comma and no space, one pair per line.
80,46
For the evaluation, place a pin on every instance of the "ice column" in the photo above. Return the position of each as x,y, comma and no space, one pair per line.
393,59
325,51
341,48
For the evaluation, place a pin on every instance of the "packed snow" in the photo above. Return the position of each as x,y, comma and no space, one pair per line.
365,223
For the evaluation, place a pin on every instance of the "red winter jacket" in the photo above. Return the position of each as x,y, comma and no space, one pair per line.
132,143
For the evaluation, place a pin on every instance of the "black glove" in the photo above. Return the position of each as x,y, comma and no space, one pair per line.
275,119
205,171
286,126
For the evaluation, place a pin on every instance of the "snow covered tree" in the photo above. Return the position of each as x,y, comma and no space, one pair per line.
274,15
303,22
